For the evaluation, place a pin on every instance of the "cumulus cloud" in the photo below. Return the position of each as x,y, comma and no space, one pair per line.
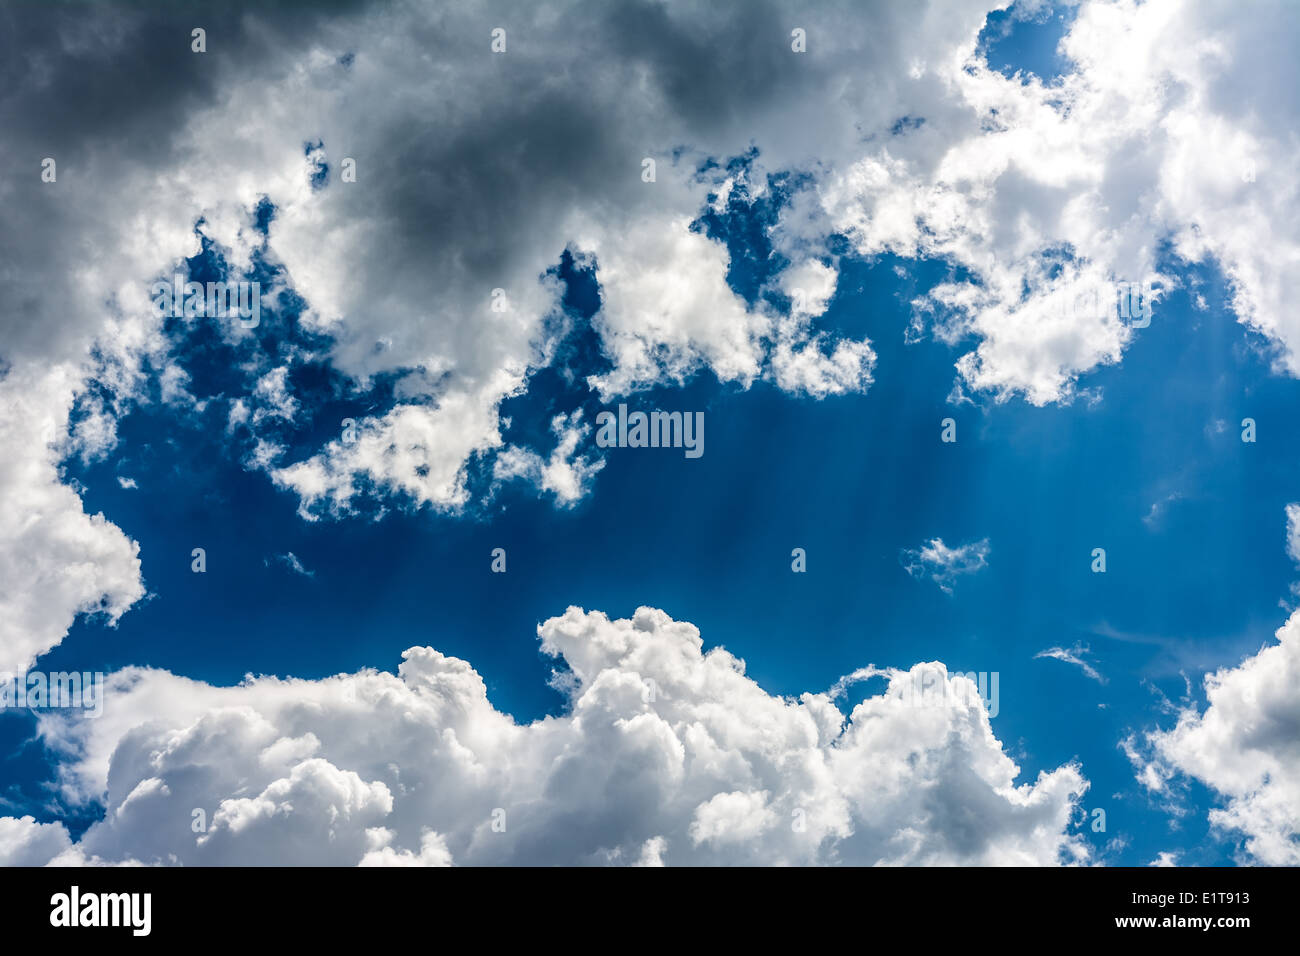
1245,744
664,753
515,158
512,166
79,252
24,842
1047,192
433,851
56,561
942,564
1038,193
272,397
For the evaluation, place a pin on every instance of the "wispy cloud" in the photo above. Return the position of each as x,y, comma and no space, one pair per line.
1293,532
1160,508
290,561
1074,655
943,564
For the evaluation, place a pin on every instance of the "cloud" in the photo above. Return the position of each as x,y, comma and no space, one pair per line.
1159,508
515,159
78,254
1043,192
290,561
1293,532
24,842
272,397
56,561
1034,194
1245,745
1075,655
663,754
536,151
943,564
433,851
566,474
1293,543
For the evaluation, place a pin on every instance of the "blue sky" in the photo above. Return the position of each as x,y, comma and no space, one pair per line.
854,481
1146,462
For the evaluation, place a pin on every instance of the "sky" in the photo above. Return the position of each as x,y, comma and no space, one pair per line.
860,264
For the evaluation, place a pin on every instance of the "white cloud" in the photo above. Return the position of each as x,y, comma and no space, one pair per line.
1159,508
1245,746
56,561
566,474
400,266
1293,532
272,397
652,853
943,564
811,286
1143,139
419,451
804,361
292,562
24,842
735,817
1075,655
433,851
667,313
665,754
